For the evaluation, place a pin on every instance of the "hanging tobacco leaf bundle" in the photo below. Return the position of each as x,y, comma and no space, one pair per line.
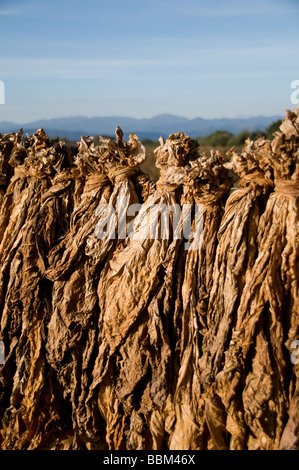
259,383
13,216
26,299
208,183
235,256
135,293
120,335
7,142
12,220
75,265
13,152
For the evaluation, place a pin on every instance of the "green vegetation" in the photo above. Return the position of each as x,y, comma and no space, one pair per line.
225,139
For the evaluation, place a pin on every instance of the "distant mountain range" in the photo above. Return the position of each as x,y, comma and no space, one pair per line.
162,125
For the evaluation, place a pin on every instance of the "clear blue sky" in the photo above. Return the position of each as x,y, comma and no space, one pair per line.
140,58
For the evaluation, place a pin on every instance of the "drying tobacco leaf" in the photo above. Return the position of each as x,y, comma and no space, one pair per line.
236,253
130,340
258,385
7,142
208,183
135,297
75,266
25,299
235,256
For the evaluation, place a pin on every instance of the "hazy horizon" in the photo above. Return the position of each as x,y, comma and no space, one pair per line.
147,117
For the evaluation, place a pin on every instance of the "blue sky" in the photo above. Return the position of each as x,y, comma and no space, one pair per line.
140,58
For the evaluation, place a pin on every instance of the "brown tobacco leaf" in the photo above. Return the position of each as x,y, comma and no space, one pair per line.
145,339
7,142
235,256
209,183
25,296
108,169
236,252
257,359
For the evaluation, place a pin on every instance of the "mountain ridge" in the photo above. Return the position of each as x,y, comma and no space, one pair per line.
152,128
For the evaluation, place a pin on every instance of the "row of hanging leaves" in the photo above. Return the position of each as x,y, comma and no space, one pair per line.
134,341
